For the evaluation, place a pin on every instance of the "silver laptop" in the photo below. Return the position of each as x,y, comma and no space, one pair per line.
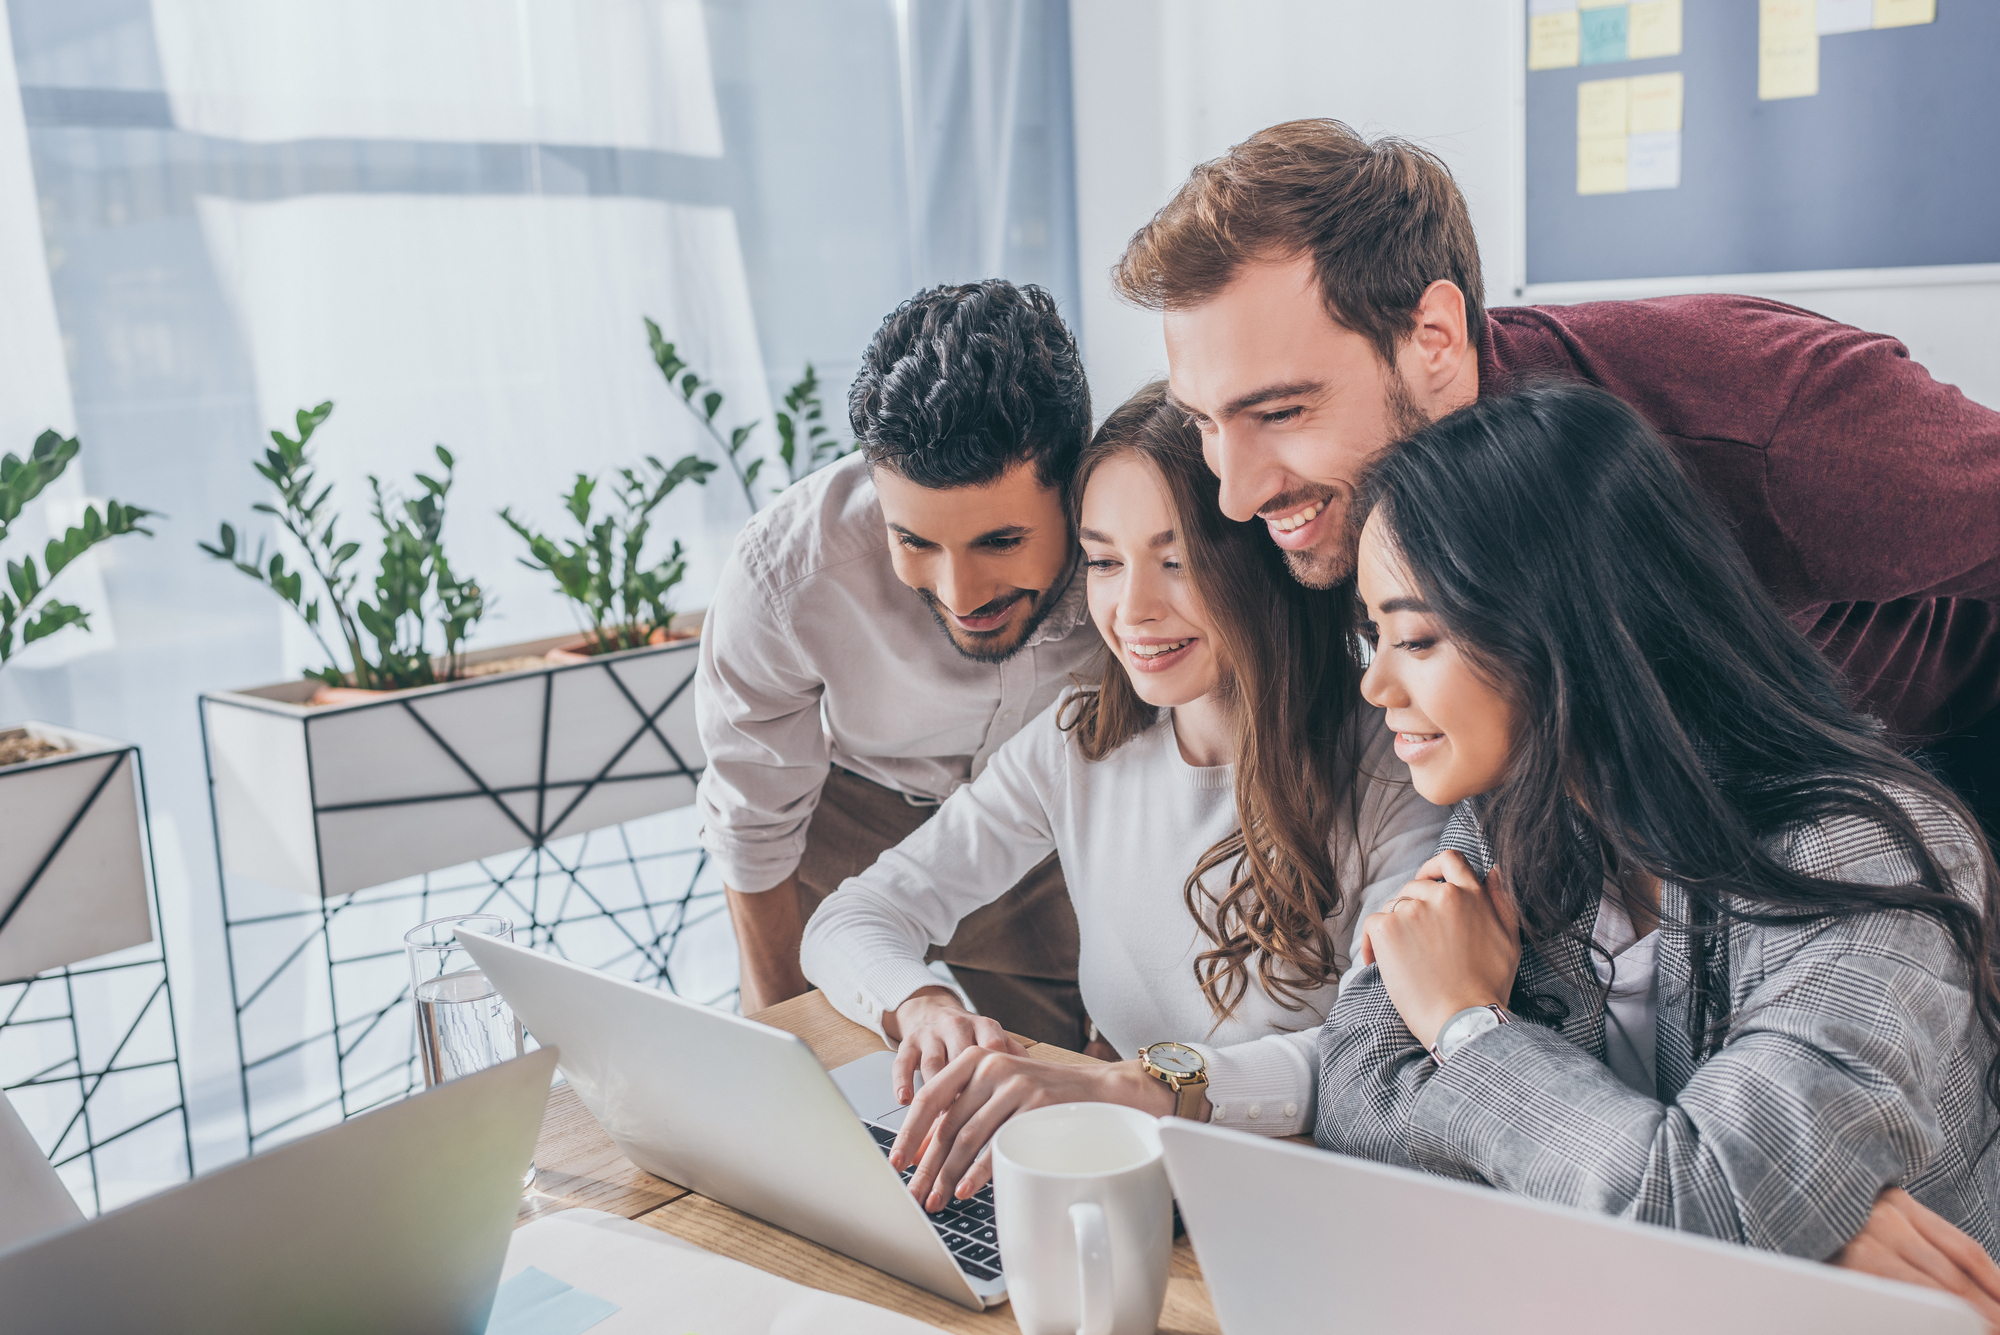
1296,1239
394,1222
33,1200
744,1114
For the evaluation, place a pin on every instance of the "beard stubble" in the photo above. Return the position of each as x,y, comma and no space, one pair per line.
1318,569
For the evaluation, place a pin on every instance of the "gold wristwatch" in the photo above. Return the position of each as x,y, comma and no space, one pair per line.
1181,1069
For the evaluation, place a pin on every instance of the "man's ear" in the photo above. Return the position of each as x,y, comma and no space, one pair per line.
1437,351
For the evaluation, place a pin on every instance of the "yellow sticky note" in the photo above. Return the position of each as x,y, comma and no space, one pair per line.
1653,29
1600,166
1904,13
1787,49
1654,103
1601,108
1552,40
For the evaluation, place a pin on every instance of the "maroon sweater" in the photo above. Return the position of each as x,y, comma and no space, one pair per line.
1865,493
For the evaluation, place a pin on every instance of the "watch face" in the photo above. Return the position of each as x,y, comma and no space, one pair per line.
1467,1027
1175,1059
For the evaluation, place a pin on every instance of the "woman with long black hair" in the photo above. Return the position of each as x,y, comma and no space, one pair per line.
1701,950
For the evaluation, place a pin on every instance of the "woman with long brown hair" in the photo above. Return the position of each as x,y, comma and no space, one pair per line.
1223,806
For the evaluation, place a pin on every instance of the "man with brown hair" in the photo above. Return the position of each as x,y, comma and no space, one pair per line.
1322,300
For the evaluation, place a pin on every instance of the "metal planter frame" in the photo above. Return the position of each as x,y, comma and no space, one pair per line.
87,1010
333,823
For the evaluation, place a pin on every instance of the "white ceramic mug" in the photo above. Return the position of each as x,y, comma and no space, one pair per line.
1086,1219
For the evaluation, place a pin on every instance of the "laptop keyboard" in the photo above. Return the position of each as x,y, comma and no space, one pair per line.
966,1227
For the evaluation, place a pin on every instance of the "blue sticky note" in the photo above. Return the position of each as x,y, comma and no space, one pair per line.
1601,35
537,1303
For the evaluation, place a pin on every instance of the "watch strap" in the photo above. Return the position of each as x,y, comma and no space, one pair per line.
1188,1094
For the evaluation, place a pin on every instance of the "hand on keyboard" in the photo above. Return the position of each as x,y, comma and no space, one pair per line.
967,1226
955,1114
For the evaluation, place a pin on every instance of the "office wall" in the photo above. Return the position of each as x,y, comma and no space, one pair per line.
1163,84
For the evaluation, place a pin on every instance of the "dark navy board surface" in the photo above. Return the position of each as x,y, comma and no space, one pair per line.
1895,162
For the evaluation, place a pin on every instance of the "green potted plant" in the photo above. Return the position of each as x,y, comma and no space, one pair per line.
408,752
386,640
619,596
73,866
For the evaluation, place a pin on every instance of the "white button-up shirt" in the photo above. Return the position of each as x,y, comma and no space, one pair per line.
815,653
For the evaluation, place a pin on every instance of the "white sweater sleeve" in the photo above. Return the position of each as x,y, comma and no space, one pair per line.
1265,1086
865,945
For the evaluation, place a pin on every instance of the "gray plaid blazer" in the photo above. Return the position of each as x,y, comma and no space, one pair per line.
1853,1062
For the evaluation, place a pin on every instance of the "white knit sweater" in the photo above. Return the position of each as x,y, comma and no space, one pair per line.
1129,829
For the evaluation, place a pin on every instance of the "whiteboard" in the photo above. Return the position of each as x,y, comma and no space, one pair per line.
1895,161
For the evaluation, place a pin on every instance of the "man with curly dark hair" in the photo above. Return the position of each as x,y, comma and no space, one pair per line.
887,624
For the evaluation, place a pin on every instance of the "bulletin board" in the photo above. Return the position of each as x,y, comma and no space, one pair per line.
1681,138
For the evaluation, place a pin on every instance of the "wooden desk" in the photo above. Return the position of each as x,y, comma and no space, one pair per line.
577,1165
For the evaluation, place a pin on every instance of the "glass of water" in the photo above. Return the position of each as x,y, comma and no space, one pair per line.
462,1024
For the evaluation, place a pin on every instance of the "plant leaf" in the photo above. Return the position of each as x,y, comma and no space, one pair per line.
52,618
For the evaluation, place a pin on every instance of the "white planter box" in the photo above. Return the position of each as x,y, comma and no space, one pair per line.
72,854
332,799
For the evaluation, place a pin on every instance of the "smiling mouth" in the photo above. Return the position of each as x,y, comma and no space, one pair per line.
1413,748
1297,522
1151,656
1291,523
992,633
984,620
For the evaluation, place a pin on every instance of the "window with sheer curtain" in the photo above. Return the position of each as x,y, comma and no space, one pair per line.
449,217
